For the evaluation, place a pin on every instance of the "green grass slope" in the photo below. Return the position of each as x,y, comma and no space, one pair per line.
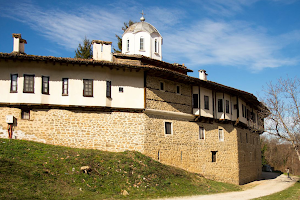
30,170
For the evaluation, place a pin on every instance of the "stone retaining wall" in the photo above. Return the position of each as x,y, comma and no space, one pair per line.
110,131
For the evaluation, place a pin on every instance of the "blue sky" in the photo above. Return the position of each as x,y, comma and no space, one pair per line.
240,43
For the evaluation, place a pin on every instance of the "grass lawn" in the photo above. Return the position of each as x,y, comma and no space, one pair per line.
30,170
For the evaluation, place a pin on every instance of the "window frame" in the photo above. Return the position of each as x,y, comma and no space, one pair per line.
142,46
65,87
221,134
12,90
214,156
45,89
227,110
168,132
108,89
201,133
87,83
28,85
161,86
195,101
127,45
220,105
178,89
206,102
25,114
155,46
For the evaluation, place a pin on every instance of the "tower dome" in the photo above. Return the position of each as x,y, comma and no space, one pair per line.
142,38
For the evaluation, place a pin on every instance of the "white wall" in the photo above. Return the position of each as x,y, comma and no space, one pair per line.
132,83
149,44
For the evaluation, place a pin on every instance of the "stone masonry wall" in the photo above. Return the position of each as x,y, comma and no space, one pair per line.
110,131
168,99
184,149
249,156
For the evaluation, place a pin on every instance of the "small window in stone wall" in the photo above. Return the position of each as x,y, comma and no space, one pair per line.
221,135
178,89
25,114
214,156
168,128
162,86
201,133
158,155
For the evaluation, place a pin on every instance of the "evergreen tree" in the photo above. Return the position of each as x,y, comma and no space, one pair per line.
126,25
84,51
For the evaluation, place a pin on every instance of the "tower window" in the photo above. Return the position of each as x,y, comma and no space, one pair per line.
141,43
156,46
127,45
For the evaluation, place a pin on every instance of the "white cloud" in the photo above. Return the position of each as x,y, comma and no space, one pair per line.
68,28
236,43
225,8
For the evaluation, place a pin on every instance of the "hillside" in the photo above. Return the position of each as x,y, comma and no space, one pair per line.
30,170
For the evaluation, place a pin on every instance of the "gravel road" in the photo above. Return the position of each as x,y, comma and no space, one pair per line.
270,184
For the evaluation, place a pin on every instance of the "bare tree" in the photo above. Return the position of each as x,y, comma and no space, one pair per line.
283,99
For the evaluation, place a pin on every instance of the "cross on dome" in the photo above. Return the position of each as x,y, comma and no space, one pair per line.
142,18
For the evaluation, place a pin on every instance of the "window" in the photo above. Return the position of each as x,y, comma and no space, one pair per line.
168,128
227,106
141,43
121,89
195,101
108,89
220,105
221,135
201,133
45,84
248,114
206,102
156,46
177,89
127,45
65,86
14,83
28,83
25,114
244,111
246,137
162,86
87,87
214,156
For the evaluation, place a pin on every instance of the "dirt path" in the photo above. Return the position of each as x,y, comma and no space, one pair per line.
272,184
